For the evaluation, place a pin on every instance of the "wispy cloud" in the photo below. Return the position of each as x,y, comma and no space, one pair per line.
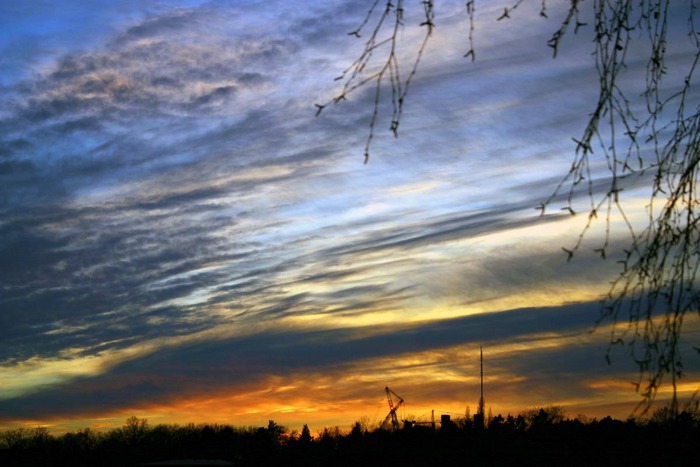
235,362
177,227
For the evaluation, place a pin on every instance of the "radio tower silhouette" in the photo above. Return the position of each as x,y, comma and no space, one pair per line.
479,417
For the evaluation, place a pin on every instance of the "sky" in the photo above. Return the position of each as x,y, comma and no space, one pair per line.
182,239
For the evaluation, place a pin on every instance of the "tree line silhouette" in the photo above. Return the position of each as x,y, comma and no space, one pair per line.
541,436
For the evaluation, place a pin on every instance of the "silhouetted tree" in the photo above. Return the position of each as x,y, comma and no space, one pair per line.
305,437
665,441
654,139
496,423
544,415
686,417
135,429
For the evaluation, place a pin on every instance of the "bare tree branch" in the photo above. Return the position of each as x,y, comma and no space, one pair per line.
657,285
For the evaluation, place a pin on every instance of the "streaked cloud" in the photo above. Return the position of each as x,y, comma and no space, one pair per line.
181,237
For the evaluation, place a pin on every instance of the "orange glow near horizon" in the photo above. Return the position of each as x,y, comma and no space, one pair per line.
445,380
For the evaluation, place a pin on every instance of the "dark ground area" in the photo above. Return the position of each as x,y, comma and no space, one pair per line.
539,439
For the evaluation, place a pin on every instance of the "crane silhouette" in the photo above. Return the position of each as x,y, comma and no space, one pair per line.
393,407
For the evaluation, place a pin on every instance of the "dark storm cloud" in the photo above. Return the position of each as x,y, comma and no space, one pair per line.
233,363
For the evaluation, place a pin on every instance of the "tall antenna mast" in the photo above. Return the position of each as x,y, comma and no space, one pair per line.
481,399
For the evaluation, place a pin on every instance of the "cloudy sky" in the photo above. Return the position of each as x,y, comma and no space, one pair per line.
183,240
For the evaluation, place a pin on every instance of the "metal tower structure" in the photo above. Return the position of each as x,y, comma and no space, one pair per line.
480,415
393,407
481,365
